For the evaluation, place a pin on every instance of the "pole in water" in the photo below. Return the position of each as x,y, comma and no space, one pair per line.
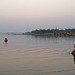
5,40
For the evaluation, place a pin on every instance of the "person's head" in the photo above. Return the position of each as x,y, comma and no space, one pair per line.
5,38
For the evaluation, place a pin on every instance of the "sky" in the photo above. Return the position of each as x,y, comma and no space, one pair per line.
28,15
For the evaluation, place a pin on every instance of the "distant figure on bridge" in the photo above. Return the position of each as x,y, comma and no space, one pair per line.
5,40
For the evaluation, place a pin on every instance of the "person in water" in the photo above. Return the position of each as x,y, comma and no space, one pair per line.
6,40
73,52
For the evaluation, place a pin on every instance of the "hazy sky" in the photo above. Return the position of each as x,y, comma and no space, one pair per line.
28,15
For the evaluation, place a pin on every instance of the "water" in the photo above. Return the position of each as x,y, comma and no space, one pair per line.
36,55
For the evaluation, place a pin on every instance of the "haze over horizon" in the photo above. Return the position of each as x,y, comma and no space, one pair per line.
28,15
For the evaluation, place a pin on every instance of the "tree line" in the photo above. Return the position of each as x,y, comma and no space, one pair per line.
43,31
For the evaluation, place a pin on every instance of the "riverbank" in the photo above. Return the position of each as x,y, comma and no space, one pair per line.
54,34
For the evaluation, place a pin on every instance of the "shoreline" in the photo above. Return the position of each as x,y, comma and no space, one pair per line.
53,34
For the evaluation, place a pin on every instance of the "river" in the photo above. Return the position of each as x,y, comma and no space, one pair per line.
36,55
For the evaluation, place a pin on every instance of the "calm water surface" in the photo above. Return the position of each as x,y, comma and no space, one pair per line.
35,55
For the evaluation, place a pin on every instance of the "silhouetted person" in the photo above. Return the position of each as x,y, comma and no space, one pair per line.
74,59
73,52
5,40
